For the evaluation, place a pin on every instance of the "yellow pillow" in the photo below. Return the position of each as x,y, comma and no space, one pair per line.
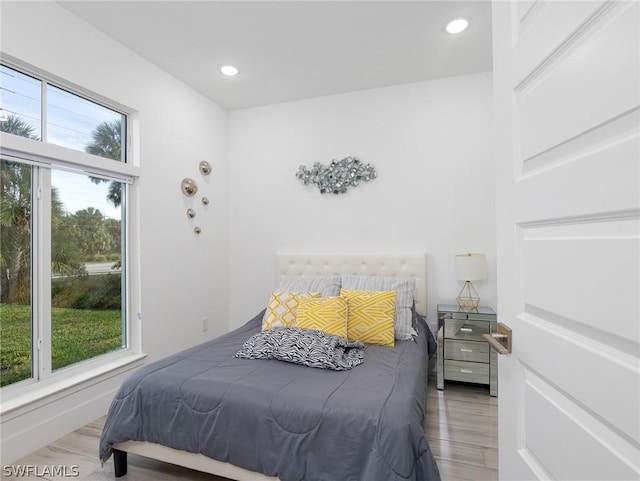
329,314
282,308
371,316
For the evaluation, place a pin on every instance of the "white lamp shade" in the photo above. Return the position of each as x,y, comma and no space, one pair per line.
471,267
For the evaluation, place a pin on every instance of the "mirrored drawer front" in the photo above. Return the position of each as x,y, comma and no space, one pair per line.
466,350
467,330
466,371
475,316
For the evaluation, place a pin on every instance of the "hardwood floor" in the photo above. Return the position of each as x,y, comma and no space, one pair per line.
461,426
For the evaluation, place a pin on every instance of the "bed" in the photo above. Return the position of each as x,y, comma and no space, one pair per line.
250,420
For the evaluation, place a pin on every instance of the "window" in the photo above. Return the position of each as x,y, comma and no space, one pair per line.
71,120
63,229
20,103
78,123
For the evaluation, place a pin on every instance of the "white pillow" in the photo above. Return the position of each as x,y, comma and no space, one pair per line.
405,288
329,286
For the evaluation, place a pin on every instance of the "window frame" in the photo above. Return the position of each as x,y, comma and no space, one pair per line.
44,156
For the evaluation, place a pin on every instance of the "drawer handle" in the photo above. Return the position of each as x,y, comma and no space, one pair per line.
466,329
466,371
466,350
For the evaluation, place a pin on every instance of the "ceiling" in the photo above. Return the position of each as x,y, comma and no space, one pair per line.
291,50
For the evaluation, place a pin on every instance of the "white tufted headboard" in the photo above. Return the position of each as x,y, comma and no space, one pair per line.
299,264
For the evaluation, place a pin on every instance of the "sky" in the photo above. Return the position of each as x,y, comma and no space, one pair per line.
77,192
70,122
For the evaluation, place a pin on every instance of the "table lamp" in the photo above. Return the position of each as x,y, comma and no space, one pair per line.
470,267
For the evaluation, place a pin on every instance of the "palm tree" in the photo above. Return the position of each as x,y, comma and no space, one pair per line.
91,235
66,257
15,224
15,217
107,143
17,126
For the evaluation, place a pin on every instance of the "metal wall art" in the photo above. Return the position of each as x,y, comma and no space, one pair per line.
189,187
205,167
336,177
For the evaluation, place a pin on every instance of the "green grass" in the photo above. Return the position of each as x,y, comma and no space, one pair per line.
77,335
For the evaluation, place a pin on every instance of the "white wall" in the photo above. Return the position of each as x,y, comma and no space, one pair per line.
183,277
432,147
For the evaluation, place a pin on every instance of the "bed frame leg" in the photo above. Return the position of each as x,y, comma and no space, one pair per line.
120,462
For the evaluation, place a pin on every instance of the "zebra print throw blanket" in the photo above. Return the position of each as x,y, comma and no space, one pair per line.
309,347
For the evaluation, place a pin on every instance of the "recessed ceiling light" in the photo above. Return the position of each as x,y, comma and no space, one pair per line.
229,70
458,25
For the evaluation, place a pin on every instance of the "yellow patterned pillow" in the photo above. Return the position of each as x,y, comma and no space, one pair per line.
329,314
371,316
282,308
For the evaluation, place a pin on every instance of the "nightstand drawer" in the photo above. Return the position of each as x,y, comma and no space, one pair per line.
466,350
466,330
475,316
466,371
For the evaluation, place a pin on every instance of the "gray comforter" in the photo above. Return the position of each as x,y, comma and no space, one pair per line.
284,419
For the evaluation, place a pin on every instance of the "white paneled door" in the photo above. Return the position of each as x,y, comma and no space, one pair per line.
566,78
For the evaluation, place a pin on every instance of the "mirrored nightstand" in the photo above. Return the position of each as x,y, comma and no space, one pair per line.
463,355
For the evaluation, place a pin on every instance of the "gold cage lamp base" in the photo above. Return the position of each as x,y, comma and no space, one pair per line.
468,297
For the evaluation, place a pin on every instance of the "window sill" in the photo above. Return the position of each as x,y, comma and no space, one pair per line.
31,396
